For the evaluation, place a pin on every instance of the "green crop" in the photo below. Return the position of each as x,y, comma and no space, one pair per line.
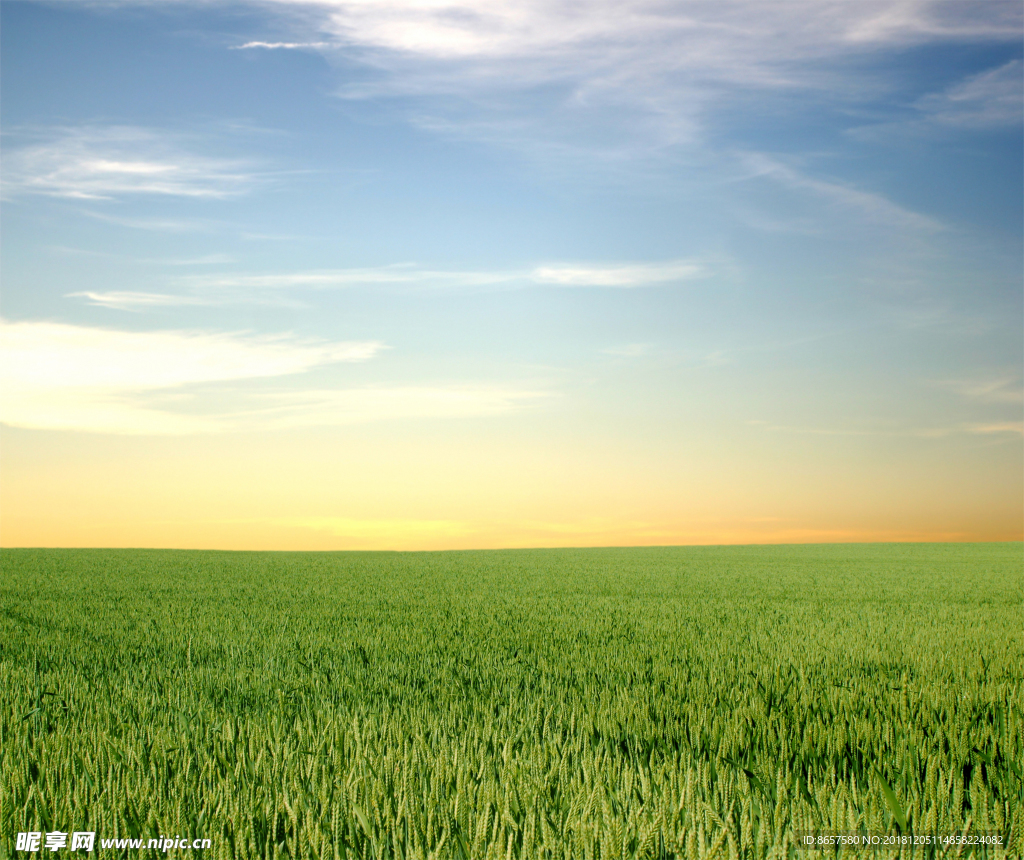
605,703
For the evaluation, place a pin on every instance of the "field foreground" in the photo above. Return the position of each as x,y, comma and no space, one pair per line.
599,703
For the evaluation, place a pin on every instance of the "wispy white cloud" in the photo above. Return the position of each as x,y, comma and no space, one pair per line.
866,205
658,66
234,288
733,38
624,276
128,300
59,376
556,274
620,79
402,273
1000,389
103,163
55,376
991,98
288,46
274,289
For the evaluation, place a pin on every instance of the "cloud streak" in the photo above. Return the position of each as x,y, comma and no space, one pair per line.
728,38
402,273
288,46
626,277
104,163
1002,389
59,376
129,300
865,205
989,99
55,376
661,65
252,288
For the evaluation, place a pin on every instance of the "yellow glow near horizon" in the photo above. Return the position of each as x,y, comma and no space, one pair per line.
385,489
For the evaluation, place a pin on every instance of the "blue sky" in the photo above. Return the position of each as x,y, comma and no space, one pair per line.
751,253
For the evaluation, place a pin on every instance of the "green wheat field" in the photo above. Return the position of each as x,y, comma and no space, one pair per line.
597,703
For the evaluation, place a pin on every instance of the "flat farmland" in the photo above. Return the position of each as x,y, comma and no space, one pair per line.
685,702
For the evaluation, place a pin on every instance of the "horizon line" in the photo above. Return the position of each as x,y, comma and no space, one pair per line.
1019,540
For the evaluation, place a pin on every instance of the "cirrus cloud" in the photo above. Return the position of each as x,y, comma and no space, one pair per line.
55,376
992,98
232,288
104,163
613,84
70,377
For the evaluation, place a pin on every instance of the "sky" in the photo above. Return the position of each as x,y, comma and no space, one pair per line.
417,274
